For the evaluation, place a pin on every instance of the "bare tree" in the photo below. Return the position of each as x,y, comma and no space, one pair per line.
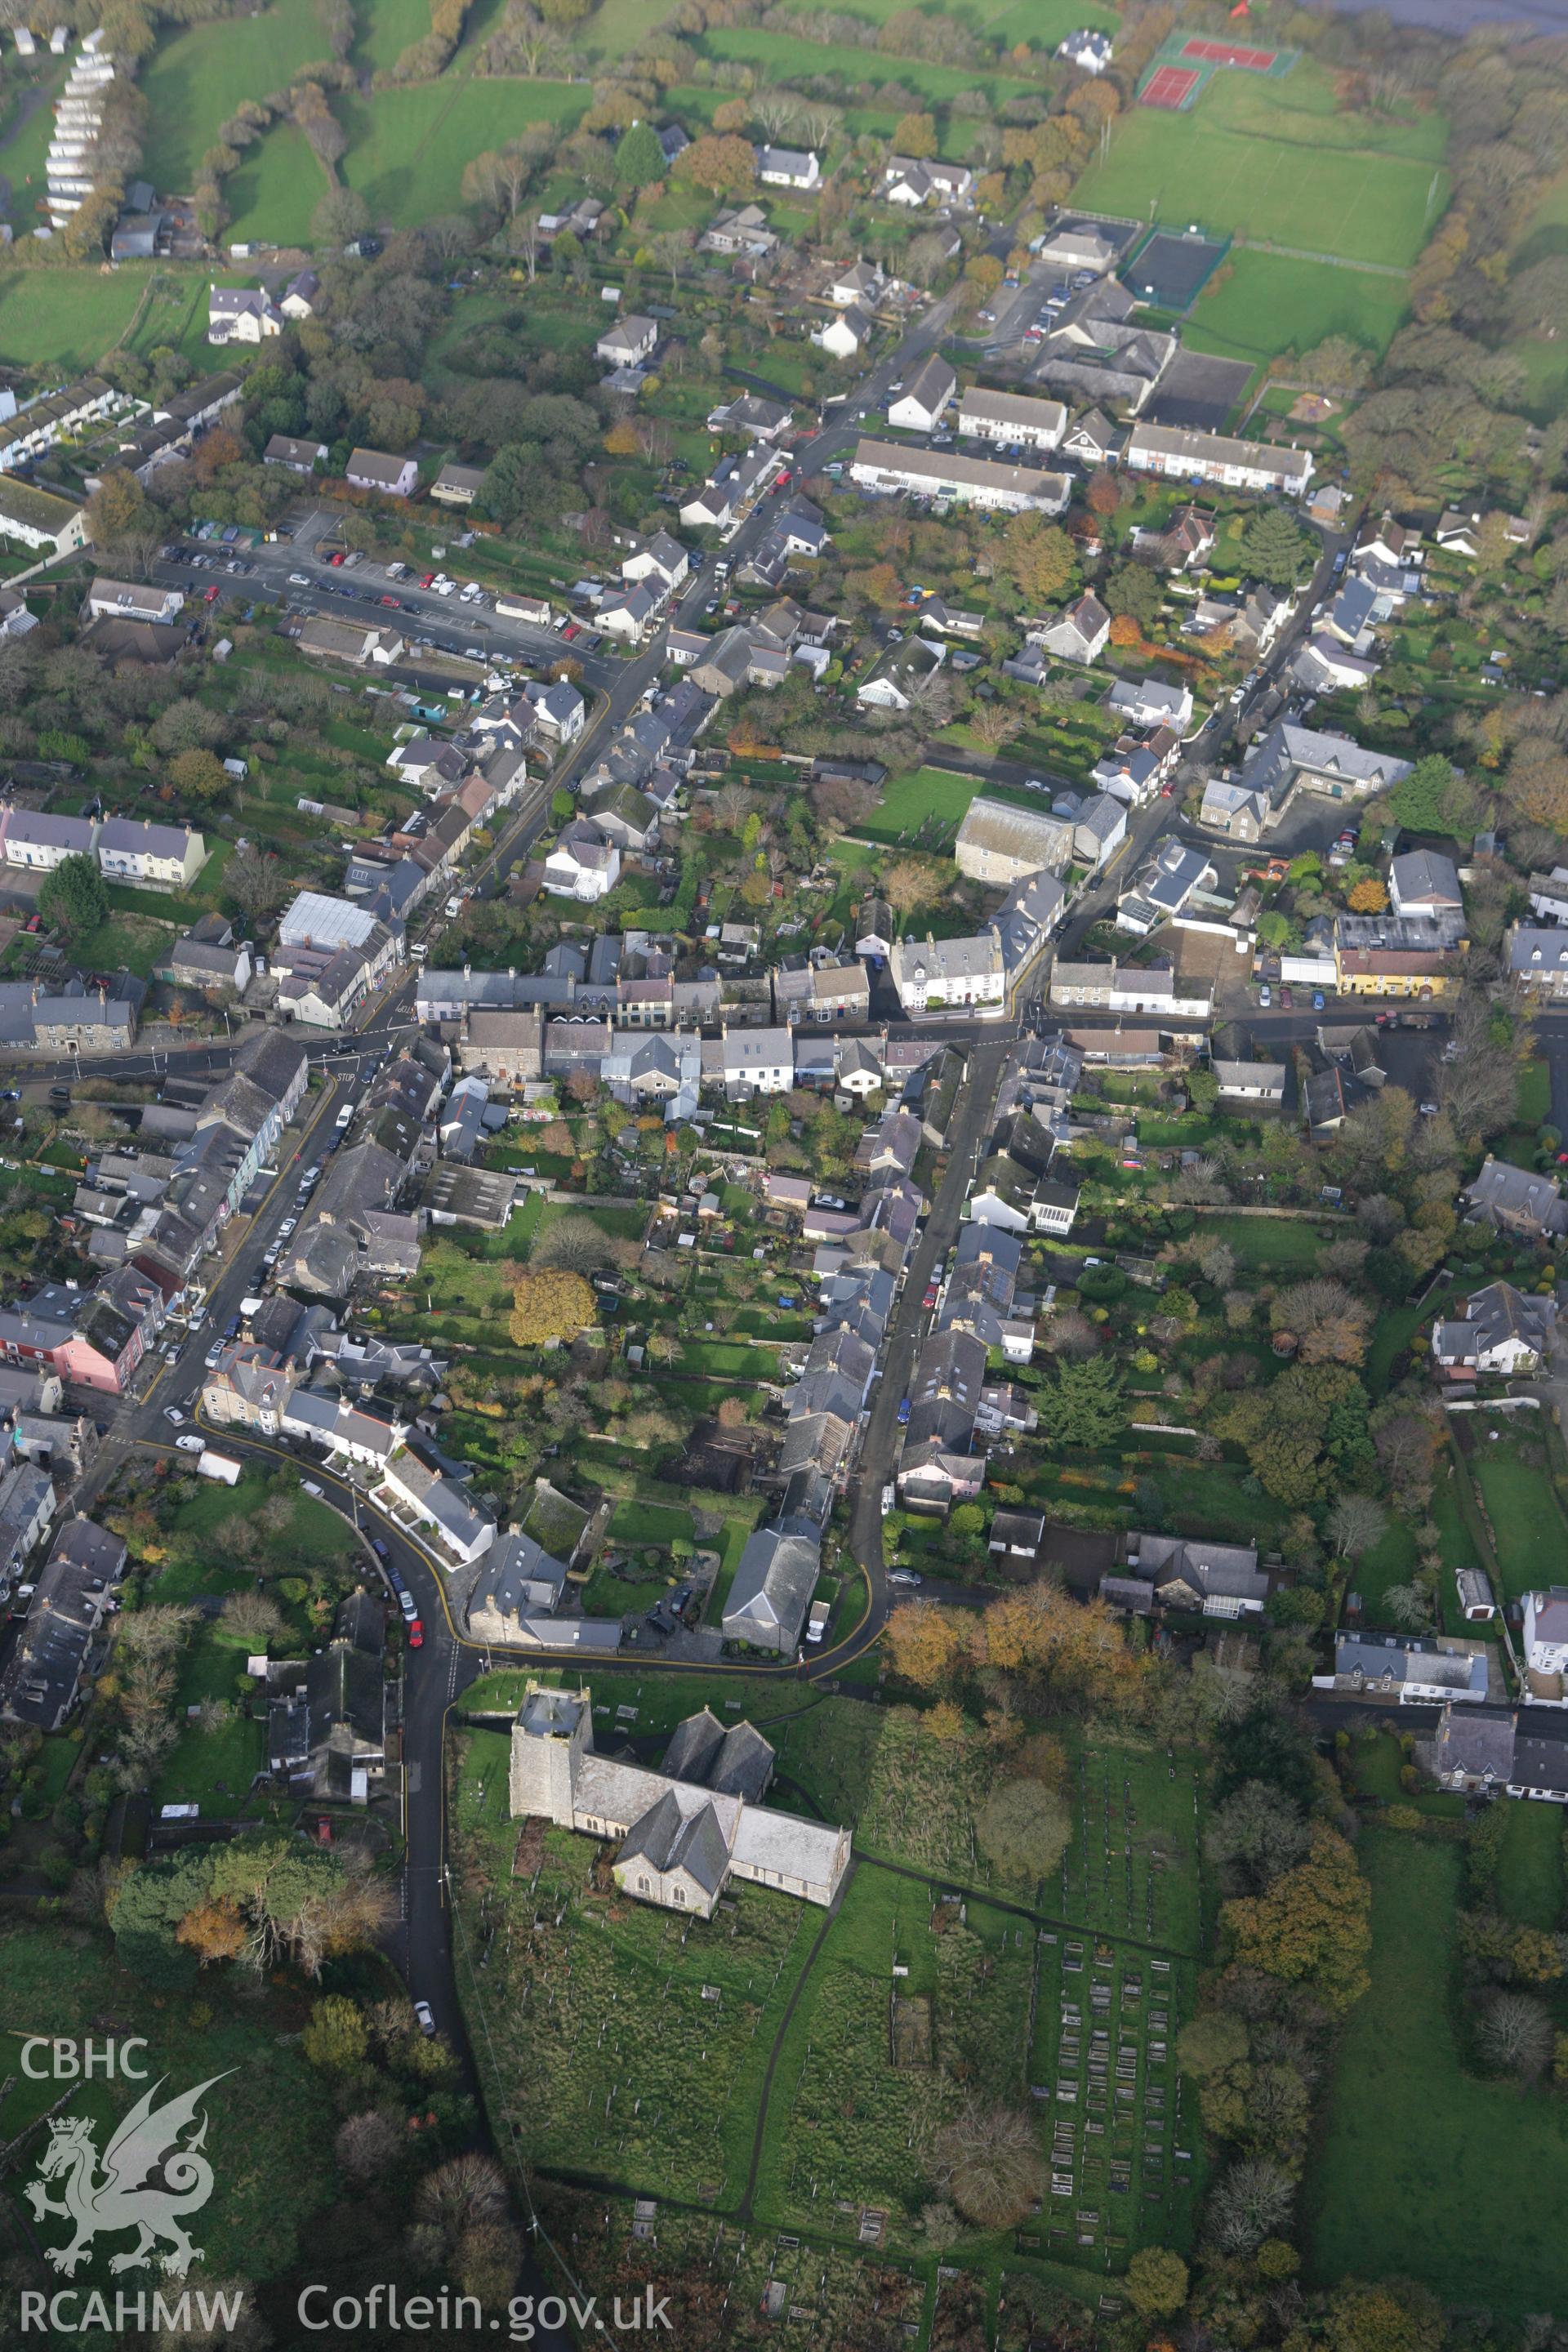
252,1618
988,2159
1252,2201
367,2144
1514,2035
1355,1524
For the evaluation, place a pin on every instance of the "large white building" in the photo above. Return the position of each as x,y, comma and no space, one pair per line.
684,1833
1012,420
887,467
1216,458
933,975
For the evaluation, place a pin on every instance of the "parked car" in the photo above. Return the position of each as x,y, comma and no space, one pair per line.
1317,1000
1265,996
903,1412
887,1500
416,1635
425,2016
172,1414
191,1443
904,1576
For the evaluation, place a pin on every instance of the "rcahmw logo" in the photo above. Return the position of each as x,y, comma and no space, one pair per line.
152,2174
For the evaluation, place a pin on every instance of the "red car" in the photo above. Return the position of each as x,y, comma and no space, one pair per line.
1286,999
426,578
1165,791
930,1298
392,604
416,1635
211,594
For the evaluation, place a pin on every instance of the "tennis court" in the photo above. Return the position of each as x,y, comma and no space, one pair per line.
1173,87
1170,271
1222,53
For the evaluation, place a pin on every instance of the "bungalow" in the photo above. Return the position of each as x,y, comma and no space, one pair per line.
294,456
758,419
298,300
742,230
920,407
861,282
358,642
1251,1082
373,469
1413,1671
788,167
123,601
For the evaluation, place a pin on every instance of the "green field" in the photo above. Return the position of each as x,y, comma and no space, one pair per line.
386,28
1269,304
781,56
65,317
1527,1523
1274,162
408,147
1423,2170
195,80
276,189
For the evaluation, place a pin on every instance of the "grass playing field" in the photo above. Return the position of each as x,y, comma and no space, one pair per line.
784,56
194,82
1272,161
1267,303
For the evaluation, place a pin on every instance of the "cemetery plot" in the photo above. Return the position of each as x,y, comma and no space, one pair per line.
1132,1868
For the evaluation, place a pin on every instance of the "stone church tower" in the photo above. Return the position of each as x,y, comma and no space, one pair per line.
554,1730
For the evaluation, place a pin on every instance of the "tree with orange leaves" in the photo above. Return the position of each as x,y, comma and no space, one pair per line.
928,1645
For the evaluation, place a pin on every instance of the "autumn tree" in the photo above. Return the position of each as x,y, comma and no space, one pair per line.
928,1644
1368,897
914,135
548,1304
1330,1322
199,776
1312,1927
1103,495
907,884
1156,2283
1038,557
722,164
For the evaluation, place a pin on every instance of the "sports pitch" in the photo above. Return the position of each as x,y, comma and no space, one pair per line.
1267,161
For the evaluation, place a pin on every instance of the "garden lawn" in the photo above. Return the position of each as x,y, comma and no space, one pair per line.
1275,162
194,81
1290,1244
637,1522
65,317
408,146
1529,1869
1521,1503
1421,2170
923,807
1267,303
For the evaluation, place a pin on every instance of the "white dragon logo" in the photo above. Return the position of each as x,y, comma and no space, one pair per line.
148,2180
